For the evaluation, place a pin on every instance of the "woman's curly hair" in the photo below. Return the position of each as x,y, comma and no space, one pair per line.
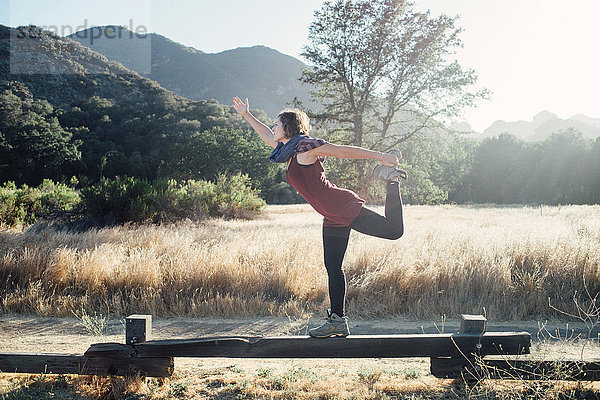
294,122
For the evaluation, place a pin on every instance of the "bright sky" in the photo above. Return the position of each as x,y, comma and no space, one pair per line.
533,55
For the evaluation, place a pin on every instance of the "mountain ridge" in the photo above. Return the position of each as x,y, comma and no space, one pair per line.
266,76
540,127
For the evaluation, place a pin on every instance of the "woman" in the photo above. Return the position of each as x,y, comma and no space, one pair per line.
342,209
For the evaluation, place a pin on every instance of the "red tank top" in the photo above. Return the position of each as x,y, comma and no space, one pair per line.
338,206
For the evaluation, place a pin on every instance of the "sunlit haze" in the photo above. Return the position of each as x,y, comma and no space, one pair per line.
533,55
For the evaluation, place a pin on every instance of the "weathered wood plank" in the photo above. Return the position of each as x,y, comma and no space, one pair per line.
120,359
353,346
515,369
472,323
42,363
103,359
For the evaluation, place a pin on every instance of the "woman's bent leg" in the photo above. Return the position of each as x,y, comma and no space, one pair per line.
389,227
335,243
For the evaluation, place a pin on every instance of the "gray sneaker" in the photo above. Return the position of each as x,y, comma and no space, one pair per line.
334,326
389,173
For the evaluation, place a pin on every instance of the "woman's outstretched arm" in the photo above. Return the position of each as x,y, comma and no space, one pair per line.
341,151
265,133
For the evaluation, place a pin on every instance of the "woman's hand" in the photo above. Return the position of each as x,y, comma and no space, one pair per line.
389,160
263,131
241,107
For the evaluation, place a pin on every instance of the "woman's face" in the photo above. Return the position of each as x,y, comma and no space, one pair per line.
279,133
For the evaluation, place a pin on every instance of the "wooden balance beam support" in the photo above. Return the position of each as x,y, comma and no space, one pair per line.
463,354
353,346
155,358
511,368
476,366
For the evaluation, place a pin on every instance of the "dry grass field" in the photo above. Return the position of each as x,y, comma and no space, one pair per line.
505,262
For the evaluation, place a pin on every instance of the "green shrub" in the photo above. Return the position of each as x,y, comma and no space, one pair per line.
26,205
126,199
235,197
118,200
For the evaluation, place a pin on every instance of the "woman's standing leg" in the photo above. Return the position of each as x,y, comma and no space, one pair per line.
389,227
335,243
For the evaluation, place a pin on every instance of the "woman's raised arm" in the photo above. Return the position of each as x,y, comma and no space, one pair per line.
342,151
265,133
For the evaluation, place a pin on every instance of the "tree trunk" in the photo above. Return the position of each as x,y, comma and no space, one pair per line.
362,177
363,184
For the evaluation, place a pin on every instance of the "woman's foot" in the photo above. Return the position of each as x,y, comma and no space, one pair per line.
390,173
334,326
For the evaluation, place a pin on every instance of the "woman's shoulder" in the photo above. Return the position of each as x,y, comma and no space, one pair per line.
309,143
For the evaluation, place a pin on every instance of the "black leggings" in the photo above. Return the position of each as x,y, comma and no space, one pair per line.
335,241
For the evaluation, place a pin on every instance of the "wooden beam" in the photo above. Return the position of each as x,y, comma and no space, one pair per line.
353,346
102,359
515,369
442,366
120,359
42,363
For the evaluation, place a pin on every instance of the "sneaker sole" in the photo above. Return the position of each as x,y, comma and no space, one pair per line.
329,335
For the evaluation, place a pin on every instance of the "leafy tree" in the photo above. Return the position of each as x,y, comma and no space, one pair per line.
33,144
136,138
384,74
491,179
441,160
560,170
206,154
561,174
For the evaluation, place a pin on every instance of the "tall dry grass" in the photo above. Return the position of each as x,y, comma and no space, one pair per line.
452,259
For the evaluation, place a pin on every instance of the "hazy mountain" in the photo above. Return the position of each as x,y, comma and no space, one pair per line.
543,125
267,77
462,127
587,120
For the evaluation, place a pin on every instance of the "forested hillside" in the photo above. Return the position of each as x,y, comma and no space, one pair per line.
71,112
